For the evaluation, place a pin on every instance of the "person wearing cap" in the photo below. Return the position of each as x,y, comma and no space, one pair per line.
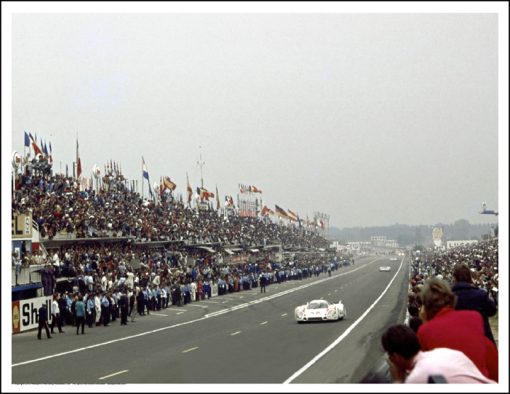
43,321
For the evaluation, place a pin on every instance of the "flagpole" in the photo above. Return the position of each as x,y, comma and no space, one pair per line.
13,182
201,164
142,178
24,149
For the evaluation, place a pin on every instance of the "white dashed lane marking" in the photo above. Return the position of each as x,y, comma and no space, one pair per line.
235,333
113,374
264,322
284,314
207,316
190,349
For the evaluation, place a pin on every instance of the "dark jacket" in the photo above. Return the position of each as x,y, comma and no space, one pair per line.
43,314
473,298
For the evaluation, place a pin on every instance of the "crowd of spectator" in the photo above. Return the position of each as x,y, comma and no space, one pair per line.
59,204
481,258
110,232
448,338
117,273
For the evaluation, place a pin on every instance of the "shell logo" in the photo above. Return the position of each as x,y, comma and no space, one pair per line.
15,318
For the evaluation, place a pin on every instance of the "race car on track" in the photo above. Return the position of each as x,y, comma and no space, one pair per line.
320,310
393,258
384,268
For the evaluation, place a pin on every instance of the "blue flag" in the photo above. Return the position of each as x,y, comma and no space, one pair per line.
27,139
145,172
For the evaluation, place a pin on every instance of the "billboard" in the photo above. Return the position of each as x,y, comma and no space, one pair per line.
25,313
22,226
437,236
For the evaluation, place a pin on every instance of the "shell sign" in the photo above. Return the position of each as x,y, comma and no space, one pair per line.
15,317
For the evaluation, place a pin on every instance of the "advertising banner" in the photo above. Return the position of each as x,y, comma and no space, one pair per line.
25,313
22,226
437,236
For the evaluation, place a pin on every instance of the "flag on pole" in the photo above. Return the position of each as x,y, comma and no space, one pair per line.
27,140
168,184
204,193
189,189
145,172
229,201
281,212
266,211
292,215
37,150
78,160
217,199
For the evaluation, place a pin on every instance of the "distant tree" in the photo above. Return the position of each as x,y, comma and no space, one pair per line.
461,229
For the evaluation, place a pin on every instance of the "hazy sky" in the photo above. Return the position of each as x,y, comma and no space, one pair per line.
374,119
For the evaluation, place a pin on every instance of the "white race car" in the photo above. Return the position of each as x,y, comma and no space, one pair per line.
320,310
385,268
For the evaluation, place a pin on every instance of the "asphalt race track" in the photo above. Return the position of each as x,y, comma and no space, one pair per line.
244,337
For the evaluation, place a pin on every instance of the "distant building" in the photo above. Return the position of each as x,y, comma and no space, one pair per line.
380,241
454,244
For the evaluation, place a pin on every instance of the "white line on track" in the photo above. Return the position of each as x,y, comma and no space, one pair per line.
190,349
158,314
235,333
284,314
179,313
207,316
264,322
113,374
345,333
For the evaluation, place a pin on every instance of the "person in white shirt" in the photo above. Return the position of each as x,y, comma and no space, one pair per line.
55,314
104,282
408,364
130,280
193,287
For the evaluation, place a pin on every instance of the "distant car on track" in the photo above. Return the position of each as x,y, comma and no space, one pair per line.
393,258
384,268
320,310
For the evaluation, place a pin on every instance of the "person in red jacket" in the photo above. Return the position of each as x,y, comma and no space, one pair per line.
462,330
